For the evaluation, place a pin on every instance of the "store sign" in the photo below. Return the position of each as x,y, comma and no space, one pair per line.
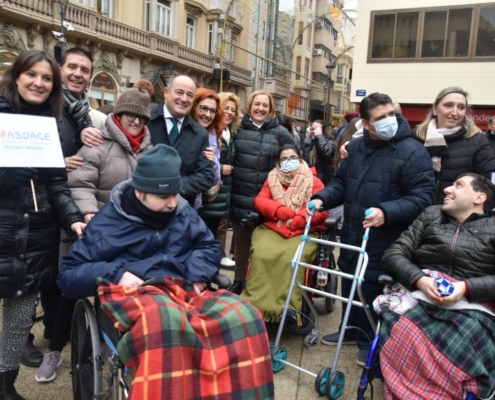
361,92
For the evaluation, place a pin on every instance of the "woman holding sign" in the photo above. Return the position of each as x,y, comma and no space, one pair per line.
29,218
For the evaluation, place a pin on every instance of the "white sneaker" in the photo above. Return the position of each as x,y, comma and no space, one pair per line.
227,263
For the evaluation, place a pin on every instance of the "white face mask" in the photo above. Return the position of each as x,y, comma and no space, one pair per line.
386,128
290,165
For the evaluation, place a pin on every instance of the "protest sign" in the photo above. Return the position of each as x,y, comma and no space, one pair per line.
29,141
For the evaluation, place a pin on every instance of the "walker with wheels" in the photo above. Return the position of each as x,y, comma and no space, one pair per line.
329,381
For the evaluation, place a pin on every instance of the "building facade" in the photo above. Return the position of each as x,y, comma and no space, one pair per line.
151,39
412,51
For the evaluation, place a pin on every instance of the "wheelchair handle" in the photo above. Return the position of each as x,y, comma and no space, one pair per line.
368,212
311,206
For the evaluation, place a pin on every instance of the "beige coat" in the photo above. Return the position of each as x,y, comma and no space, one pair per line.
104,167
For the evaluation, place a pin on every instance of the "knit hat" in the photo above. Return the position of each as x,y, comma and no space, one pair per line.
350,116
134,101
158,171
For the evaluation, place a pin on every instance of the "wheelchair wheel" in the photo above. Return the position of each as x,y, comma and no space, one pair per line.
331,287
335,385
308,323
280,354
322,379
86,361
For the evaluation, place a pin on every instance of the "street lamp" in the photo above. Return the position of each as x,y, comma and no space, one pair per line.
330,67
308,90
63,9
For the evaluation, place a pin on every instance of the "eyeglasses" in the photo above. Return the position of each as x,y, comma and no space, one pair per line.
293,158
203,110
132,118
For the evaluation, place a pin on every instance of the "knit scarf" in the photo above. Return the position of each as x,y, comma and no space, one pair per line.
133,206
299,184
135,142
436,138
78,108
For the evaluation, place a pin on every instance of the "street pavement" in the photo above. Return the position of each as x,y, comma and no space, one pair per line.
290,384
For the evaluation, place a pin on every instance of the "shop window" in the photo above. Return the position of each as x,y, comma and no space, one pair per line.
6,60
103,89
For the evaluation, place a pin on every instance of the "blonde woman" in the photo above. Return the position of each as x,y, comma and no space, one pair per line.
455,143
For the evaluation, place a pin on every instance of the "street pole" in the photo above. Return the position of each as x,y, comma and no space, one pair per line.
330,67
308,91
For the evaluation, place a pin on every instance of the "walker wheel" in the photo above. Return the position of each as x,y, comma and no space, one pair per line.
322,379
279,354
335,385
310,340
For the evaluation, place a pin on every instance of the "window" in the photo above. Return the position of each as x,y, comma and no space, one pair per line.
263,32
209,39
104,7
443,33
163,17
306,67
147,15
103,89
300,32
6,60
190,32
308,38
485,45
298,68
232,49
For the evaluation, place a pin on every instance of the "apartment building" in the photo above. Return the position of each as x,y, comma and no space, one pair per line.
411,51
151,39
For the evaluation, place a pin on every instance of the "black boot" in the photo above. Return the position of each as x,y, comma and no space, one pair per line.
7,389
236,287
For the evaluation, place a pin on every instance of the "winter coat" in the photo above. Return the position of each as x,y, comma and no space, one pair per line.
29,240
462,155
325,153
491,139
438,242
115,242
267,207
104,167
195,170
220,207
256,155
395,176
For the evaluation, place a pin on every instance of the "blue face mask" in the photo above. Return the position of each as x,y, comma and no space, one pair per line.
290,165
386,128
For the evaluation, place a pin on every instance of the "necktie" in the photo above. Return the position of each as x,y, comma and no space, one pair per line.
174,132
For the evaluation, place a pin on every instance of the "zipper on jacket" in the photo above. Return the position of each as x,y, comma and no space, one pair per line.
452,249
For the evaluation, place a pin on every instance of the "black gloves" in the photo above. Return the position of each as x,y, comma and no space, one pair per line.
18,177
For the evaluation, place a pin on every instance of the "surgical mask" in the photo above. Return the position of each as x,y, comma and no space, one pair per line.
289,165
386,128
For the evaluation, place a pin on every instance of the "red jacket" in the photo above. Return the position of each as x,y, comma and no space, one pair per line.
273,211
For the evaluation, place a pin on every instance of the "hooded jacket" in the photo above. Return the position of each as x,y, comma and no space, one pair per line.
115,242
256,155
437,242
28,239
104,167
395,176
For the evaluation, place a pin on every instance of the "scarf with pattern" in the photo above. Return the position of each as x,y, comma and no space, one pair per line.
435,138
78,108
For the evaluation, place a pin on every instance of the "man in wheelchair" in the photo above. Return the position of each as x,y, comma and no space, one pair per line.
438,335
150,256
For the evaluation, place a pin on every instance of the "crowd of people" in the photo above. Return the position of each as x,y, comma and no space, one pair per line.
150,191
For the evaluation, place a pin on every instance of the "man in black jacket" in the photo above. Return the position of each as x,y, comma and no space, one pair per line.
457,239
490,133
172,125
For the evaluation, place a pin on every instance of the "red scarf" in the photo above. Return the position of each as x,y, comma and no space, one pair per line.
135,142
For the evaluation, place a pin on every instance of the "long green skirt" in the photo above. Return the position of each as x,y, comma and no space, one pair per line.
270,274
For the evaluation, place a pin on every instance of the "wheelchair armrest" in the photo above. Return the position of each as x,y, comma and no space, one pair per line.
333,222
386,279
222,281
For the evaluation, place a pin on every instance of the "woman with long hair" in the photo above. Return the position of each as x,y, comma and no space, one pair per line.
29,238
207,111
257,143
319,151
455,143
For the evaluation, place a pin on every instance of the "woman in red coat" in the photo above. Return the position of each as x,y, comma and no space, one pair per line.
282,202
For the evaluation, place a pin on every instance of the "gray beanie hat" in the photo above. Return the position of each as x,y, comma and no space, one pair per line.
158,171
134,101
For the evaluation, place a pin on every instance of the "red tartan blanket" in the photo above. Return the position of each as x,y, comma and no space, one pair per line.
431,352
181,346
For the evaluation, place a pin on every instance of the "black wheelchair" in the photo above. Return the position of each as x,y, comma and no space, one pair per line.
97,372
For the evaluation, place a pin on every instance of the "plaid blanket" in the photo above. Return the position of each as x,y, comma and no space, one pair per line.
181,346
432,352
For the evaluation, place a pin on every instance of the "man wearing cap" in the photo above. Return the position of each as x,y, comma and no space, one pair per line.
146,230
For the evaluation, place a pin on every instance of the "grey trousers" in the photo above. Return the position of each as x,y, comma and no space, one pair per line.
16,322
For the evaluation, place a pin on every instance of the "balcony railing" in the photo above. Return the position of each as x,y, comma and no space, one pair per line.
98,28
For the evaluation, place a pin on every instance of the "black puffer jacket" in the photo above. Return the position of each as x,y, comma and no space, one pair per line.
29,240
461,155
437,242
325,153
491,139
256,154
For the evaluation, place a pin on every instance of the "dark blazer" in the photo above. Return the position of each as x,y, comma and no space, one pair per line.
196,171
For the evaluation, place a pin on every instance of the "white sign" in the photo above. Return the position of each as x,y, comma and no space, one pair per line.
29,141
